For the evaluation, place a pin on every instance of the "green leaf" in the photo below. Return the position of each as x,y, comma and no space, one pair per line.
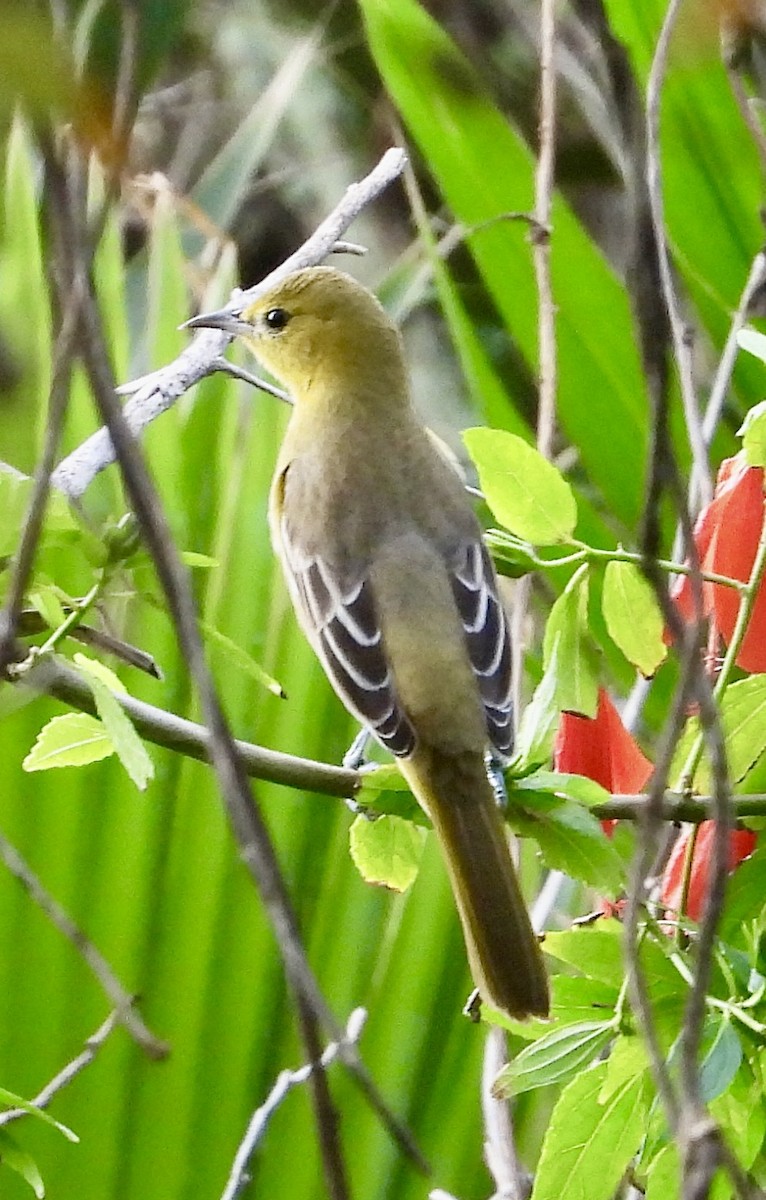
571,839
663,1178
46,602
743,718
570,787
567,636
627,1060
596,951
15,492
198,561
633,618
387,850
574,999
526,493
740,1112
512,557
95,669
753,432
554,1058
722,1059
484,169
21,1162
240,659
385,790
755,343
744,897
126,743
12,1100
587,1144
539,721
71,740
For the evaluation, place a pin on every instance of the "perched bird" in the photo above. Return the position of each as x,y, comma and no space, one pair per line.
395,590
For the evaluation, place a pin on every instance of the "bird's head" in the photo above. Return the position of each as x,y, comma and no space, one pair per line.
318,326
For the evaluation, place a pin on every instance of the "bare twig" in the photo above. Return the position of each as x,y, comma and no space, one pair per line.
56,678
499,1147
124,1003
250,830
541,240
679,331
230,368
750,118
684,1105
162,728
30,534
65,1076
74,474
31,623
540,236
285,1082
511,1180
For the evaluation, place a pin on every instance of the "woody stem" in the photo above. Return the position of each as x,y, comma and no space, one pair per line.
746,606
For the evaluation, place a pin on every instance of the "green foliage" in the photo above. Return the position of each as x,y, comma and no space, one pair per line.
387,850
152,875
633,617
70,740
525,492
590,1141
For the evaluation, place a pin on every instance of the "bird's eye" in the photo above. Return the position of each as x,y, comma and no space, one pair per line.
277,318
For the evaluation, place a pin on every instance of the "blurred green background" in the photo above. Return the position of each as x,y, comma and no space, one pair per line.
259,116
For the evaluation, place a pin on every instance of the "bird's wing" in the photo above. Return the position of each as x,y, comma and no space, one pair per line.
474,586
340,616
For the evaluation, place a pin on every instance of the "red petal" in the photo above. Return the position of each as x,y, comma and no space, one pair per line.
601,748
630,768
730,472
582,746
742,842
733,552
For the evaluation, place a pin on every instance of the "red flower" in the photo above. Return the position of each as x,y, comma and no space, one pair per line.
601,748
726,535
741,845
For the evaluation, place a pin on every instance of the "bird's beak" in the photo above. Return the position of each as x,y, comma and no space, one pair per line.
224,319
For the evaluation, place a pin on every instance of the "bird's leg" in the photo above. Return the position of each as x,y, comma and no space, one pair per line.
497,779
353,760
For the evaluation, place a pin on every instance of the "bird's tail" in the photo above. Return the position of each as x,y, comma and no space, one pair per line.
503,951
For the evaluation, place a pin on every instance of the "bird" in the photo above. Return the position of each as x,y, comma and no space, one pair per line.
394,588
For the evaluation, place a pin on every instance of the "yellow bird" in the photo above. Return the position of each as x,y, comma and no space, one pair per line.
395,590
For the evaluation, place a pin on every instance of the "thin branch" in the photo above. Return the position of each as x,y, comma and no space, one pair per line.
678,327
65,1076
249,828
541,239
31,623
66,211
754,284
684,1105
124,1003
75,473
236,372
56,678
285,1082
677,807
749,117
251,831
512,1181
156,725
33,523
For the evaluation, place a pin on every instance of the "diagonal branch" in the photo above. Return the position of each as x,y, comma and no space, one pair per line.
162,389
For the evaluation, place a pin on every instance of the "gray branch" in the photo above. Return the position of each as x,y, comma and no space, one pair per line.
159,391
